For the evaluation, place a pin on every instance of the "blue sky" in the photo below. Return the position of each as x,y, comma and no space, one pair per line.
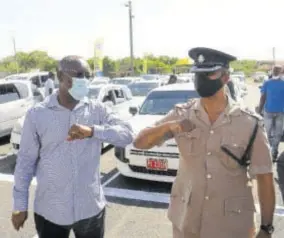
244,28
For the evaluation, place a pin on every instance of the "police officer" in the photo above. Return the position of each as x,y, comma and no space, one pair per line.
212,193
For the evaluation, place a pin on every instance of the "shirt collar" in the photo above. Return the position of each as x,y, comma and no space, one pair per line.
52,101
232,109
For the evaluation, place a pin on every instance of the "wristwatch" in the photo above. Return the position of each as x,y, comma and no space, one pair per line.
269,229
16,212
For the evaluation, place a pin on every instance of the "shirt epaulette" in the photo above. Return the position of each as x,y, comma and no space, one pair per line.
251,113
186,105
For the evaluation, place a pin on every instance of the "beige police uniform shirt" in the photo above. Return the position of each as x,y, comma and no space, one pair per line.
212,195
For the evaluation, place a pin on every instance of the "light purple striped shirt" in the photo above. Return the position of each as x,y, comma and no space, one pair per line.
67,173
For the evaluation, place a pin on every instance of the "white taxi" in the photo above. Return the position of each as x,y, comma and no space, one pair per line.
159,163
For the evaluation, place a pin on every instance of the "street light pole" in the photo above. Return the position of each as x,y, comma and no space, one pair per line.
273,55
129,5
15,54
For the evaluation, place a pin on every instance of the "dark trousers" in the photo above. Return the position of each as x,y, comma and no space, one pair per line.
88,228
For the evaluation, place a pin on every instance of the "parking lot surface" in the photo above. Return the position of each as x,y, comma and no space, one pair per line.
135,208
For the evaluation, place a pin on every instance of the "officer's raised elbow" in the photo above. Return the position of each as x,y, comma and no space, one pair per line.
141,142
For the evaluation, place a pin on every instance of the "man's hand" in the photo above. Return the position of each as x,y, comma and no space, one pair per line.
257,109
180,126
263,234
19,219
79,132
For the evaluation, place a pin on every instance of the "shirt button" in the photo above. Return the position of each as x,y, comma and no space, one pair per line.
209,153
209,176
206,198
211,132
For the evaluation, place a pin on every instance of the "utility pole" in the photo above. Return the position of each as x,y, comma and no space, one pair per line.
15,54
273,55
129,5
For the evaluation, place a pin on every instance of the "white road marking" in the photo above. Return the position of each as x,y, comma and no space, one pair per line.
137,195
110,179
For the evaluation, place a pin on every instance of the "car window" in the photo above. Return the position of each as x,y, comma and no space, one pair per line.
8,93
22,89
161,102
119,93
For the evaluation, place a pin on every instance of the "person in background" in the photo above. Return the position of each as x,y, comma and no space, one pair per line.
212,194
272,103
49,84
61,145
173,79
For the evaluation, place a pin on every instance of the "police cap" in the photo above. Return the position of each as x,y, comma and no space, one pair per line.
209,60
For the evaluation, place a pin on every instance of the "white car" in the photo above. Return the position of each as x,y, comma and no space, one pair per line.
159,163
16,97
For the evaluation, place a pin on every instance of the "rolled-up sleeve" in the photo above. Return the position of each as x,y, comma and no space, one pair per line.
171,116
261,160
26,163
113,130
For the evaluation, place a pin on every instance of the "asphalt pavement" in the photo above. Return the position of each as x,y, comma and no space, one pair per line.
136,208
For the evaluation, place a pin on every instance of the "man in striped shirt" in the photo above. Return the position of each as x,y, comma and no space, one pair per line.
61,145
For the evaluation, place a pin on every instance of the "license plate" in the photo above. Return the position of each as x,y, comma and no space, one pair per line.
157,164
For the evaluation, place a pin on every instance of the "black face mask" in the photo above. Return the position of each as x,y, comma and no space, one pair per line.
207,87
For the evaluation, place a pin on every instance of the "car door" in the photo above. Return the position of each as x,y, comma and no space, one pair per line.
122,106
10,108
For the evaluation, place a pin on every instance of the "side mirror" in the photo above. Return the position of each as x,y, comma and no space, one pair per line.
133,110
259,87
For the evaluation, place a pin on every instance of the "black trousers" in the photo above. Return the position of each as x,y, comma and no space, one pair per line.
88,228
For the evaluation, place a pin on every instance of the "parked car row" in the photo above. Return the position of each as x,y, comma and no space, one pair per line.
16,97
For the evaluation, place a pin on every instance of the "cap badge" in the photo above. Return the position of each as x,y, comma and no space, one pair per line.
200,59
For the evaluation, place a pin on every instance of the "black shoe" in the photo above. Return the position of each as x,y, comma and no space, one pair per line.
275,157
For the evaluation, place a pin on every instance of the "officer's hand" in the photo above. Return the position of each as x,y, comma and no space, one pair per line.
180,126
19,219
79,132
263,234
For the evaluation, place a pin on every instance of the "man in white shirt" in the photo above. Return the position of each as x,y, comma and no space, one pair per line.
49,85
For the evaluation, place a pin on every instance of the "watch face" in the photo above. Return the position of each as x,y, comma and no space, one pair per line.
270,229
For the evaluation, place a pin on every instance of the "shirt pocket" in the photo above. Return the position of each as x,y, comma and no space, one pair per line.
189,142
232,144
239,213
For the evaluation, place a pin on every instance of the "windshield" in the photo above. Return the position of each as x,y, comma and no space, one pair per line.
93,93
142,89
121,81
149,77
161,102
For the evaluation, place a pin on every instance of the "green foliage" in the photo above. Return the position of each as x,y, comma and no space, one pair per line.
28,61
